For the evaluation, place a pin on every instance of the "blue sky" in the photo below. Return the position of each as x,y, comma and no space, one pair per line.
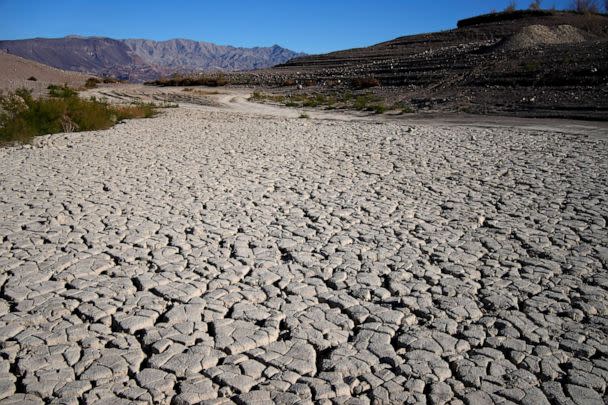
311,26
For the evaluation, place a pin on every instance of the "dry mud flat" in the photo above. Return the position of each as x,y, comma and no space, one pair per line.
221,257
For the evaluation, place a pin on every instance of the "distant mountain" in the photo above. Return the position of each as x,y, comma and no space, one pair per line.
188,54
141,59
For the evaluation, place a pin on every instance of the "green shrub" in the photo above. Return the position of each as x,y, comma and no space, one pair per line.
314,101
362,102
61,91
378,108
24,117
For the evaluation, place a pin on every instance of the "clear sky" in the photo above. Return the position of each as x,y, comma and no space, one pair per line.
311,26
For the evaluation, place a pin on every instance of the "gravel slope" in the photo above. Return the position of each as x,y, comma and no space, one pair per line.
236,258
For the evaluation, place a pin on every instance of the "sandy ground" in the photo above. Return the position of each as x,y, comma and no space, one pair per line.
233,253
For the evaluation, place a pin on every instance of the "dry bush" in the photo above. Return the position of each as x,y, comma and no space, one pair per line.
365,82
511,7
92,82
535,5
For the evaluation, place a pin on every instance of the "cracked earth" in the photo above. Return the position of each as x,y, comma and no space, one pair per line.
219,257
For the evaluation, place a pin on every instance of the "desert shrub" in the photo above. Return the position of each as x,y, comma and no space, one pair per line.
210,81
304,116
61,91
511,7
535,5
585,6
258,96
378,108
32,78
92,82
362,102
24,117
403,106
110,80
365,82
139,110
314,101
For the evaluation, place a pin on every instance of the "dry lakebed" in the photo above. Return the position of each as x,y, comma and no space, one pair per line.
222,255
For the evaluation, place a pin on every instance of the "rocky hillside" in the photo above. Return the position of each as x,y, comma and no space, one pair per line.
140,59
542,63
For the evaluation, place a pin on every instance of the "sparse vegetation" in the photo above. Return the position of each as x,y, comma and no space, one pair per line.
535,5
403,107
203,80
61,91
361,102
585,6
304,116
258,96
201,92
23,117
32,78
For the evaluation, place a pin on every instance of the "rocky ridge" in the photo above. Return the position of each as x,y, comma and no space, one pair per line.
540,64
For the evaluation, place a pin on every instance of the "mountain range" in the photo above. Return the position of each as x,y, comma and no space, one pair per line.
137,60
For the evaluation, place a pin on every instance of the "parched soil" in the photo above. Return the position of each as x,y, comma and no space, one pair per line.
243,255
